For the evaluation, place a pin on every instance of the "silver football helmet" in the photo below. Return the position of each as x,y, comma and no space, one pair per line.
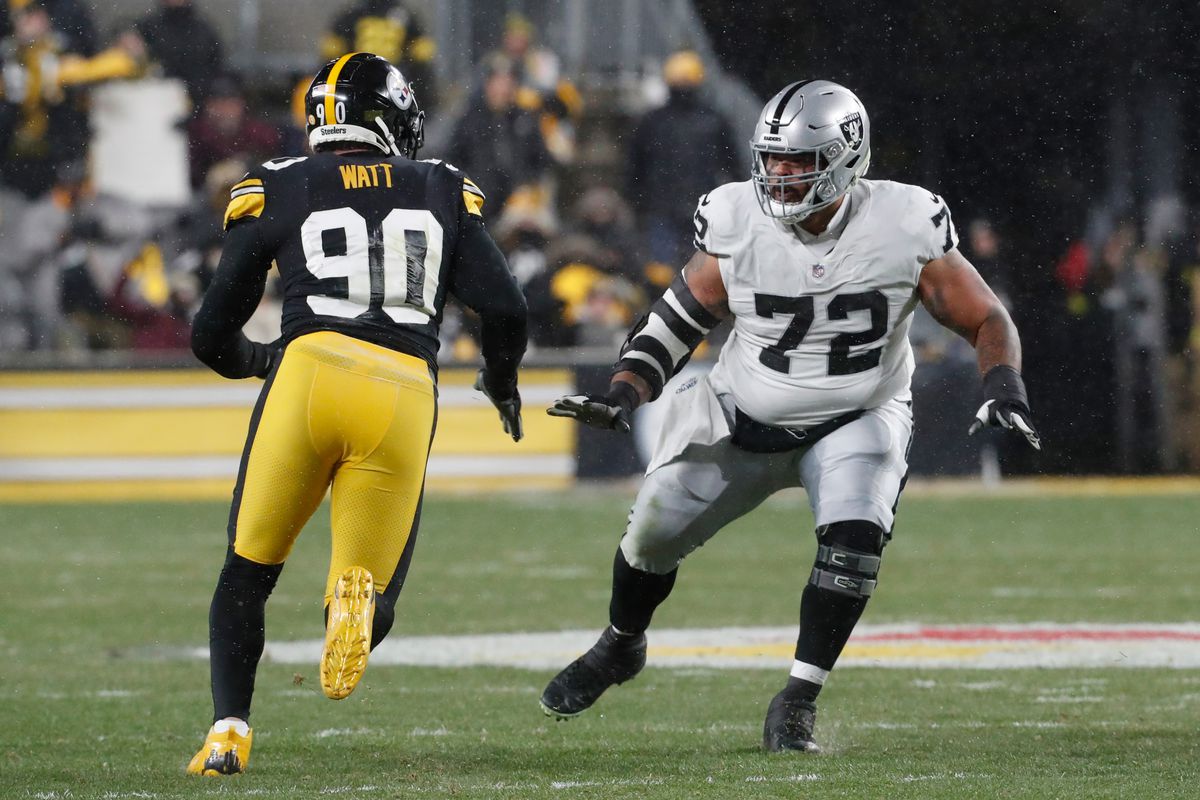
819,118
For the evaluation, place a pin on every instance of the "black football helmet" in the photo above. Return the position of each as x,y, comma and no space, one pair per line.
363,98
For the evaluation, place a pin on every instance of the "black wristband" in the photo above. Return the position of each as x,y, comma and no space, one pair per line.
261,360
1003,384
623,394
505,388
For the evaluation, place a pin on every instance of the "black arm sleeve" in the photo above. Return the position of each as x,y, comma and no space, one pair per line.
236,290
480,278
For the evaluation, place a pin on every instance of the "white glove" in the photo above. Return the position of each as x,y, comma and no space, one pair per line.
595,410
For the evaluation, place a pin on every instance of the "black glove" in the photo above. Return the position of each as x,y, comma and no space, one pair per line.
265,357
611,411
1006,404
507,401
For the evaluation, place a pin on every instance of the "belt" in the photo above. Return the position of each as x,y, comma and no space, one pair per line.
758,437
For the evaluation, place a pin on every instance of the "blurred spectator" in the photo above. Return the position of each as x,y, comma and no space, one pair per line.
576,302
983,250
541,88
200,231
43,112
1134,297
184,44
390,30
609,308
71,20
152,302
678,152
603,216
524,231
224,129
35,125
496,143
29,262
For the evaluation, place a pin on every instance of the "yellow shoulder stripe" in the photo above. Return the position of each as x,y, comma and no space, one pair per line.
245,183
473,197
473,202
246,205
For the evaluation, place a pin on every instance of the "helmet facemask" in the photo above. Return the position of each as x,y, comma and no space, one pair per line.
777,194
818,123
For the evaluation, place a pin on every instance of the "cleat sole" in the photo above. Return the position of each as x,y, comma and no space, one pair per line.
348,639
561,716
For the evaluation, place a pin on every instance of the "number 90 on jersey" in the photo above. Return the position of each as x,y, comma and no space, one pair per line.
393,268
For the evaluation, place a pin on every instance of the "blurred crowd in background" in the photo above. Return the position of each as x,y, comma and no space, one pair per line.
98,255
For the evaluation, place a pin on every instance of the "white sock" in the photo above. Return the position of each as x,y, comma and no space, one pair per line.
807,672
240,727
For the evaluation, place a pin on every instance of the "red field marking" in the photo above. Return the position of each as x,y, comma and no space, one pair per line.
987,633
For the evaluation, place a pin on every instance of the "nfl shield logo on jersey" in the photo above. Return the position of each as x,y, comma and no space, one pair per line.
818,270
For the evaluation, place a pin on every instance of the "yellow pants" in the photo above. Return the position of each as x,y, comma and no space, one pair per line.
337,411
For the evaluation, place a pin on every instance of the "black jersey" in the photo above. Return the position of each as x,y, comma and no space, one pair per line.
364,245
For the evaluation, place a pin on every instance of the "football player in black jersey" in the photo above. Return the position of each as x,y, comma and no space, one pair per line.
368,242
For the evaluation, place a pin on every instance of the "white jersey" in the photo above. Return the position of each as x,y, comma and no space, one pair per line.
821,322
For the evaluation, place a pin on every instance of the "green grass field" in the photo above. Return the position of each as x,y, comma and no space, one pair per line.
97,598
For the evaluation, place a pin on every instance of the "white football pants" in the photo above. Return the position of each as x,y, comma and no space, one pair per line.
854,473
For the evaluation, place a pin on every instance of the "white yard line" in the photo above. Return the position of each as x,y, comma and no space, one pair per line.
1030,645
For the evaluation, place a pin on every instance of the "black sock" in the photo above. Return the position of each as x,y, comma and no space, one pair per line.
385,616
802,689
237,632
826,621
635,595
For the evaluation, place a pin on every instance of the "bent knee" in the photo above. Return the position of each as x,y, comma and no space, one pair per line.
848,557
656,554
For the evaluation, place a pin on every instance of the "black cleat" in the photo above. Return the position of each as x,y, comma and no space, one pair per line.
789,725
612,659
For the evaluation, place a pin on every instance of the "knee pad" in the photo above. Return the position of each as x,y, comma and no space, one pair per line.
848,557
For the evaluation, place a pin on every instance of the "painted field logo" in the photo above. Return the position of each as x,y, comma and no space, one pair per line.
888,646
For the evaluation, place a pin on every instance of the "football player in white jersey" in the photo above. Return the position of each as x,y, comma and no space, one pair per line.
820,271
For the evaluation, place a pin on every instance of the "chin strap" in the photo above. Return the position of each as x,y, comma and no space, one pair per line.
387,136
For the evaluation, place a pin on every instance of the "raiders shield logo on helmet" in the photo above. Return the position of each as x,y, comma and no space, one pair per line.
852,129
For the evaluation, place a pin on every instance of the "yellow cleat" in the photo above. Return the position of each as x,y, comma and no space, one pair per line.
348,633
225,751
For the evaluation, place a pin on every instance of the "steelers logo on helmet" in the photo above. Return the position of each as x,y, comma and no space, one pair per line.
399,90
362,99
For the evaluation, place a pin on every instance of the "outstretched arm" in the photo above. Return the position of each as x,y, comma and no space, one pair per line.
694,304
657,347
957,297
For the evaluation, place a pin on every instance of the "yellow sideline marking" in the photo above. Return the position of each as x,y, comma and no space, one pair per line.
136,377
451,376
123,432
216,489
115,432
